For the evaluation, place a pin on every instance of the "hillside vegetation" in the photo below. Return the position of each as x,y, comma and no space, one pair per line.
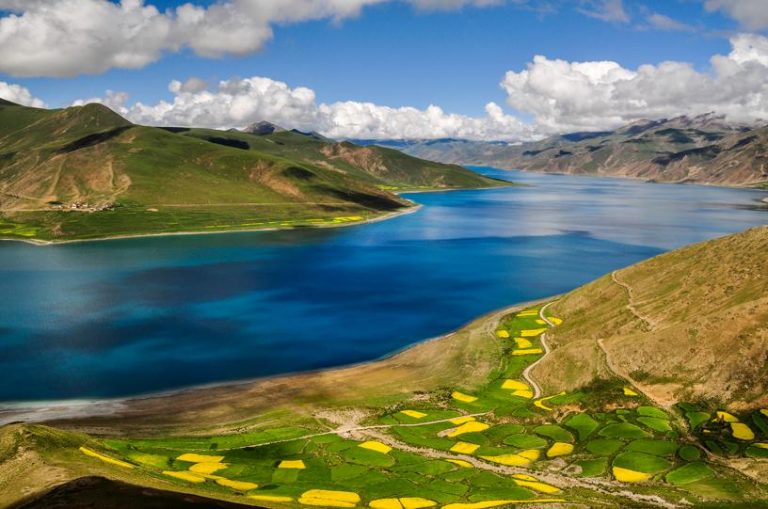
685,326
703,149
86,172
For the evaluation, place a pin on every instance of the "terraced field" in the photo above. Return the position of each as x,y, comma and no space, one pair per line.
465,447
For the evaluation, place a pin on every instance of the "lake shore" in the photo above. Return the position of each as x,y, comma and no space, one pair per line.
389,215
164,407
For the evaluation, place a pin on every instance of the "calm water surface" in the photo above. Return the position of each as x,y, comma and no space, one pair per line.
127,317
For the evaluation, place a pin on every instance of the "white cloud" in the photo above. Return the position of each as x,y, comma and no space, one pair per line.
566,96
752,14
558,95
239,102
72,37
19,95
663,22
606,10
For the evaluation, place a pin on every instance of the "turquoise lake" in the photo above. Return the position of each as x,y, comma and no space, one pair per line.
126,317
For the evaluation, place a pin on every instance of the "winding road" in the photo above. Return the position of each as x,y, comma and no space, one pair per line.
537,392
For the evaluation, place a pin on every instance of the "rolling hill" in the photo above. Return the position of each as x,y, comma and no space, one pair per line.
703,149
690,325
86,172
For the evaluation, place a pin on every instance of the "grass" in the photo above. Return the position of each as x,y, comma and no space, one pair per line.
692,472
641,462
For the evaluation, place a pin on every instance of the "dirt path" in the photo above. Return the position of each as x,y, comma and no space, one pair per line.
537,392
347,429
630,301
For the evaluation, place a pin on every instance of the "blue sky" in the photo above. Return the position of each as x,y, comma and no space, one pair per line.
395,54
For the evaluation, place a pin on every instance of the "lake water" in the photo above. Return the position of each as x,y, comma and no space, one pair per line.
126,317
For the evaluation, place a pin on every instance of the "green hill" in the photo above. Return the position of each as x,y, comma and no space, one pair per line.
86,172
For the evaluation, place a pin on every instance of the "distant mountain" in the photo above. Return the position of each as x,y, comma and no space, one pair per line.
263,127
702,149
86,172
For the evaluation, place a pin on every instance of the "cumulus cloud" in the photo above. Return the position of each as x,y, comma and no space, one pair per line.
566,96
752,14
559,96
239,102
19,95
72,37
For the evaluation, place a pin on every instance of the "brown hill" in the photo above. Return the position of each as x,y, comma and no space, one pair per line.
684,326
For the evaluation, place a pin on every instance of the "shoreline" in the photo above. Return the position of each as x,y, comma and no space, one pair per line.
389,215
83,408
748,187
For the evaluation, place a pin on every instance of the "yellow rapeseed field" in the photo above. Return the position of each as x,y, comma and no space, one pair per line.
496,503
329,498
523,343
462,419
626,475
270,498
518,388
462,463
514,385
528,312
469,427
555,320
200,458
207,468
629,392
538,486
464,448
529,333
106,459
521,459
725,416
185,476
414,413
540,321
529,351
376,446
742,431
237,485
460,396
402,503
502,334
559,449
295,464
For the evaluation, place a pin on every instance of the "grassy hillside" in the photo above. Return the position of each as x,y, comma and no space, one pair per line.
86,172
693,325
647,390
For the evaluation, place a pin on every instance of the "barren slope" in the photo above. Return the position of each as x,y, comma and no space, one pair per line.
688,325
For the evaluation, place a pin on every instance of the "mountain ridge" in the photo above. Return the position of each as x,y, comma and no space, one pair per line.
701,149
